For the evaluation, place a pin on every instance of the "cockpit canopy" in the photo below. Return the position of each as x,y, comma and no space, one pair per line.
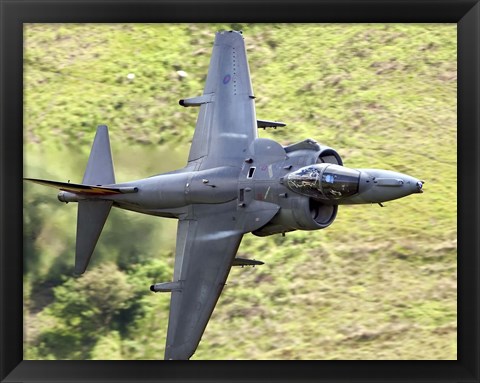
324,181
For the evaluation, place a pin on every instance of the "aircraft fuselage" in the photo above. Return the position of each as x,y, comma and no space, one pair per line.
307,183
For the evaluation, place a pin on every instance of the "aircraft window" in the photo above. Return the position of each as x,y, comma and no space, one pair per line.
324,181
250,172
305,180
338,182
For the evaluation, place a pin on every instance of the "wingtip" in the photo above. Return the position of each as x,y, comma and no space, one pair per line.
229,37
79,270
33,179
78,273
182,352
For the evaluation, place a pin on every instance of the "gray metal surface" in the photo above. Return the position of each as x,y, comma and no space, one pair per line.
226,125
91,218
205,250
99,169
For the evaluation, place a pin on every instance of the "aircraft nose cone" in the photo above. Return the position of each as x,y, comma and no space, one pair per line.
414,185
377,185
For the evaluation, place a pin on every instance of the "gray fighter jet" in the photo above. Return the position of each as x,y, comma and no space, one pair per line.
234,183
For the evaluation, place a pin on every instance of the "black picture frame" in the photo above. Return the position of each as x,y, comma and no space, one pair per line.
466,13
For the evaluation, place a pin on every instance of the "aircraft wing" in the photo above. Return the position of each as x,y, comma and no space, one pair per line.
207,241
209,235
226,124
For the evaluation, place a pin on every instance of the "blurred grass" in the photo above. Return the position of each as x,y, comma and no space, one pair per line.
380,283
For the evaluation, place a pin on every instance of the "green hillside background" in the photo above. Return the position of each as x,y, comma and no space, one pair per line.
380,283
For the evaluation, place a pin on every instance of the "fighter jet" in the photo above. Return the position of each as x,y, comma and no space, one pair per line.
234,183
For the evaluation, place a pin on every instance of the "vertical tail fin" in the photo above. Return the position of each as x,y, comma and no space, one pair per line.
99,169
92,214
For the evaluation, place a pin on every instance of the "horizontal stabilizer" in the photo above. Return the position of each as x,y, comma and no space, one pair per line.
83,189
270,124
246,262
